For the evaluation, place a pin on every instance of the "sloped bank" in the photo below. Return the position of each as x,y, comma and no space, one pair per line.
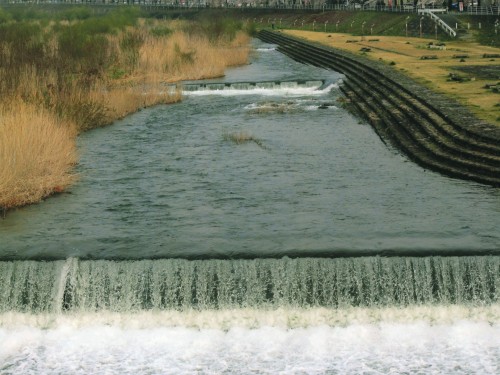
434,131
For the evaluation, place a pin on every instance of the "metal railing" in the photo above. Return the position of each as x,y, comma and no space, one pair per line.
198,4
490,10
439,21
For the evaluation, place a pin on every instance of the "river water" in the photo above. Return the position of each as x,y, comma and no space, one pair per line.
167,182
311,180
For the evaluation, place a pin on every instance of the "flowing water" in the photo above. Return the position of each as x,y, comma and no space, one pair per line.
167,256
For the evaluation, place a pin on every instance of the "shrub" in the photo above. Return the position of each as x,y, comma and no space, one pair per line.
130,43
75,13
85,53
251,29
4,16
216,29
160,31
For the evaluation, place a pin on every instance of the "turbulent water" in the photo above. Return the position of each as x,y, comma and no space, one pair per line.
93,281
127,286
382,348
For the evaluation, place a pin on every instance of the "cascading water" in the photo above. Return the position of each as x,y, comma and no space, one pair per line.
183,250
175,284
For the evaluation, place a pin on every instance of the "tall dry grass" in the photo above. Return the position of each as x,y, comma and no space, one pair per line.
183,56
164,59
48,100
124,100
37,154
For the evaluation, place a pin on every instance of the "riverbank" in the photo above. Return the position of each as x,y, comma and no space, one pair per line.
432,130
65,76
463,71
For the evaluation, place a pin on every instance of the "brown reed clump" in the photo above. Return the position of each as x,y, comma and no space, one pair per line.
37,154
122,101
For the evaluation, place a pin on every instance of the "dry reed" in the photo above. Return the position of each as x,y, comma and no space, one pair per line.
37,154
122,101
182,56
49,105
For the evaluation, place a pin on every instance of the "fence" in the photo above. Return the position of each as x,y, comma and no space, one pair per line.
198,4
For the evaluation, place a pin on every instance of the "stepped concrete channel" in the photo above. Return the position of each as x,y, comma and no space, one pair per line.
436,132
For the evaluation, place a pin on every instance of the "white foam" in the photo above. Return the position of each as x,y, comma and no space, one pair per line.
282,91
284,317
268,49
463,346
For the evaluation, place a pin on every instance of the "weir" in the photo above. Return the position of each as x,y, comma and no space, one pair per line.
268,85
174,284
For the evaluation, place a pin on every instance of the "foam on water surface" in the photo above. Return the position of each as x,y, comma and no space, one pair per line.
290,106
431,340
266,49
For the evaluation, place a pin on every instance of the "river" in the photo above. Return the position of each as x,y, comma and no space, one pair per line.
157,260
167,182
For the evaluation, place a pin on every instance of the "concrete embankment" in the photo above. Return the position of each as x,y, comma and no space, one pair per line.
432,130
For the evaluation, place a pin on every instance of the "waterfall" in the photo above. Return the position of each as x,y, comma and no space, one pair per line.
176,284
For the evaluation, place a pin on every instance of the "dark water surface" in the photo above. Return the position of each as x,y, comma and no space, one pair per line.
166,182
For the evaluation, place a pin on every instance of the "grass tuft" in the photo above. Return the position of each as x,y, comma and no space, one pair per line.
242,137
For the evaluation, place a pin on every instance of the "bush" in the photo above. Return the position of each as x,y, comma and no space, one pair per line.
21,44
160,31
130,43
82,51
216,29
77,13
4,16
121,18
251,29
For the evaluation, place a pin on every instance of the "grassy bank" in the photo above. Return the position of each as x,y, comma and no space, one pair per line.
457,69
70,71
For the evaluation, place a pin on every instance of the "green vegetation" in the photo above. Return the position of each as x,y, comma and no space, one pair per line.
216,28
161,31
4,16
